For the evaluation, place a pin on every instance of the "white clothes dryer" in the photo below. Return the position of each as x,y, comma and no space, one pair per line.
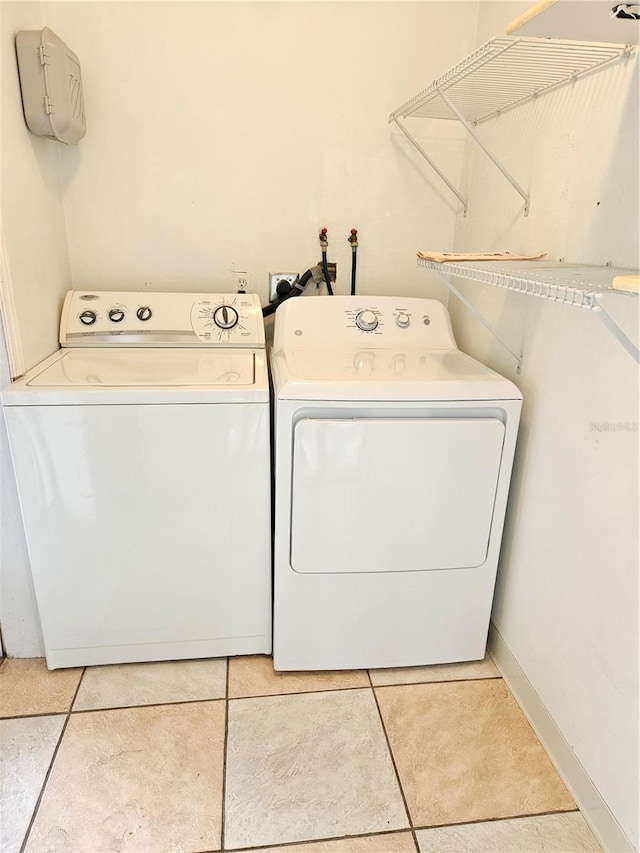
142,457
393,455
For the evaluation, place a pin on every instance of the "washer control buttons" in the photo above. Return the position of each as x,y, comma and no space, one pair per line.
366,320
225,317
144,313
403,320
116,315
88,318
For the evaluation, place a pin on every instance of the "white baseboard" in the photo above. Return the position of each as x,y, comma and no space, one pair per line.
594,809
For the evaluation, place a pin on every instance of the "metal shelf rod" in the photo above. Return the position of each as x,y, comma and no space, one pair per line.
616,331
471,131
441,174
481,318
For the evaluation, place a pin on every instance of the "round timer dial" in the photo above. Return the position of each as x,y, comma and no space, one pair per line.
366,320
219,322
225,317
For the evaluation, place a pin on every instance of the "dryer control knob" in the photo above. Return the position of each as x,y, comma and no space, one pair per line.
143,313
225,317
88,318
366,320
116,315
403,320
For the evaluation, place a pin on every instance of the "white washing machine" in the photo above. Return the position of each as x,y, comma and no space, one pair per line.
393,454
142,457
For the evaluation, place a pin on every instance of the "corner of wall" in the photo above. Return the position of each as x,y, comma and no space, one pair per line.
592,806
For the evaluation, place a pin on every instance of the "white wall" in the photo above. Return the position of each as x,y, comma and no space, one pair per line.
224,134
567,597
31,211
36,261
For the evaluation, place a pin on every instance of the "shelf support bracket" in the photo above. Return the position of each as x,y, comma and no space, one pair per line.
472,132
480,317
439,172
615,330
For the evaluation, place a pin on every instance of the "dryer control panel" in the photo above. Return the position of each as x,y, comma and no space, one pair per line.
143,319
375,321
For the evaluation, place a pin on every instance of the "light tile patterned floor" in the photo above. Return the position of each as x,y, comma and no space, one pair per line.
201,756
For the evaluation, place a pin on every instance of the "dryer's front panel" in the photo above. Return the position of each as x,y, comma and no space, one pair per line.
393,495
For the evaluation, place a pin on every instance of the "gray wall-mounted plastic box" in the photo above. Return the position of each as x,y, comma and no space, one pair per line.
51,85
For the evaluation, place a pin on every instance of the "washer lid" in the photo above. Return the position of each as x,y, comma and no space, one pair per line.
126,368
97,376
386,374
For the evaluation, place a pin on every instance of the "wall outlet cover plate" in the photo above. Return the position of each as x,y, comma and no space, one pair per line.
275,278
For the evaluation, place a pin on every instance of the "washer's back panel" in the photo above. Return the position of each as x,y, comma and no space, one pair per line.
106,318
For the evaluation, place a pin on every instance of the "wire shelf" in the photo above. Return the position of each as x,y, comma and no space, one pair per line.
578,285
506,72
570,284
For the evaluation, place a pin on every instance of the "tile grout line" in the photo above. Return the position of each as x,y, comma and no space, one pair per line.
279,844
251,696
395,768
498,819
370,684
224,757
34,716
51,763
305,842
146,704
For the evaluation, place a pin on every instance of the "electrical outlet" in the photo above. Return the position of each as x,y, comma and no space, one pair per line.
241,281
275,278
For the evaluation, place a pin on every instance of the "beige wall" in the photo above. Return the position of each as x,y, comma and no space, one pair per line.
224,134
31,210
567,598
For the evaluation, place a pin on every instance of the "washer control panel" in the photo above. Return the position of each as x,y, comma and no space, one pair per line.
103,318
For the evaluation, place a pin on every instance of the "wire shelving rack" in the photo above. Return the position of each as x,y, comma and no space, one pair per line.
502,74
577,285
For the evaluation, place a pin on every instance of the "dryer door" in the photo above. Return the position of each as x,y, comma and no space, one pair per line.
390,495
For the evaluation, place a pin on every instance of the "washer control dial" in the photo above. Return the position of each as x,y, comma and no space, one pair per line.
116,315
88,318
366,320
225,317
144,313
403,320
